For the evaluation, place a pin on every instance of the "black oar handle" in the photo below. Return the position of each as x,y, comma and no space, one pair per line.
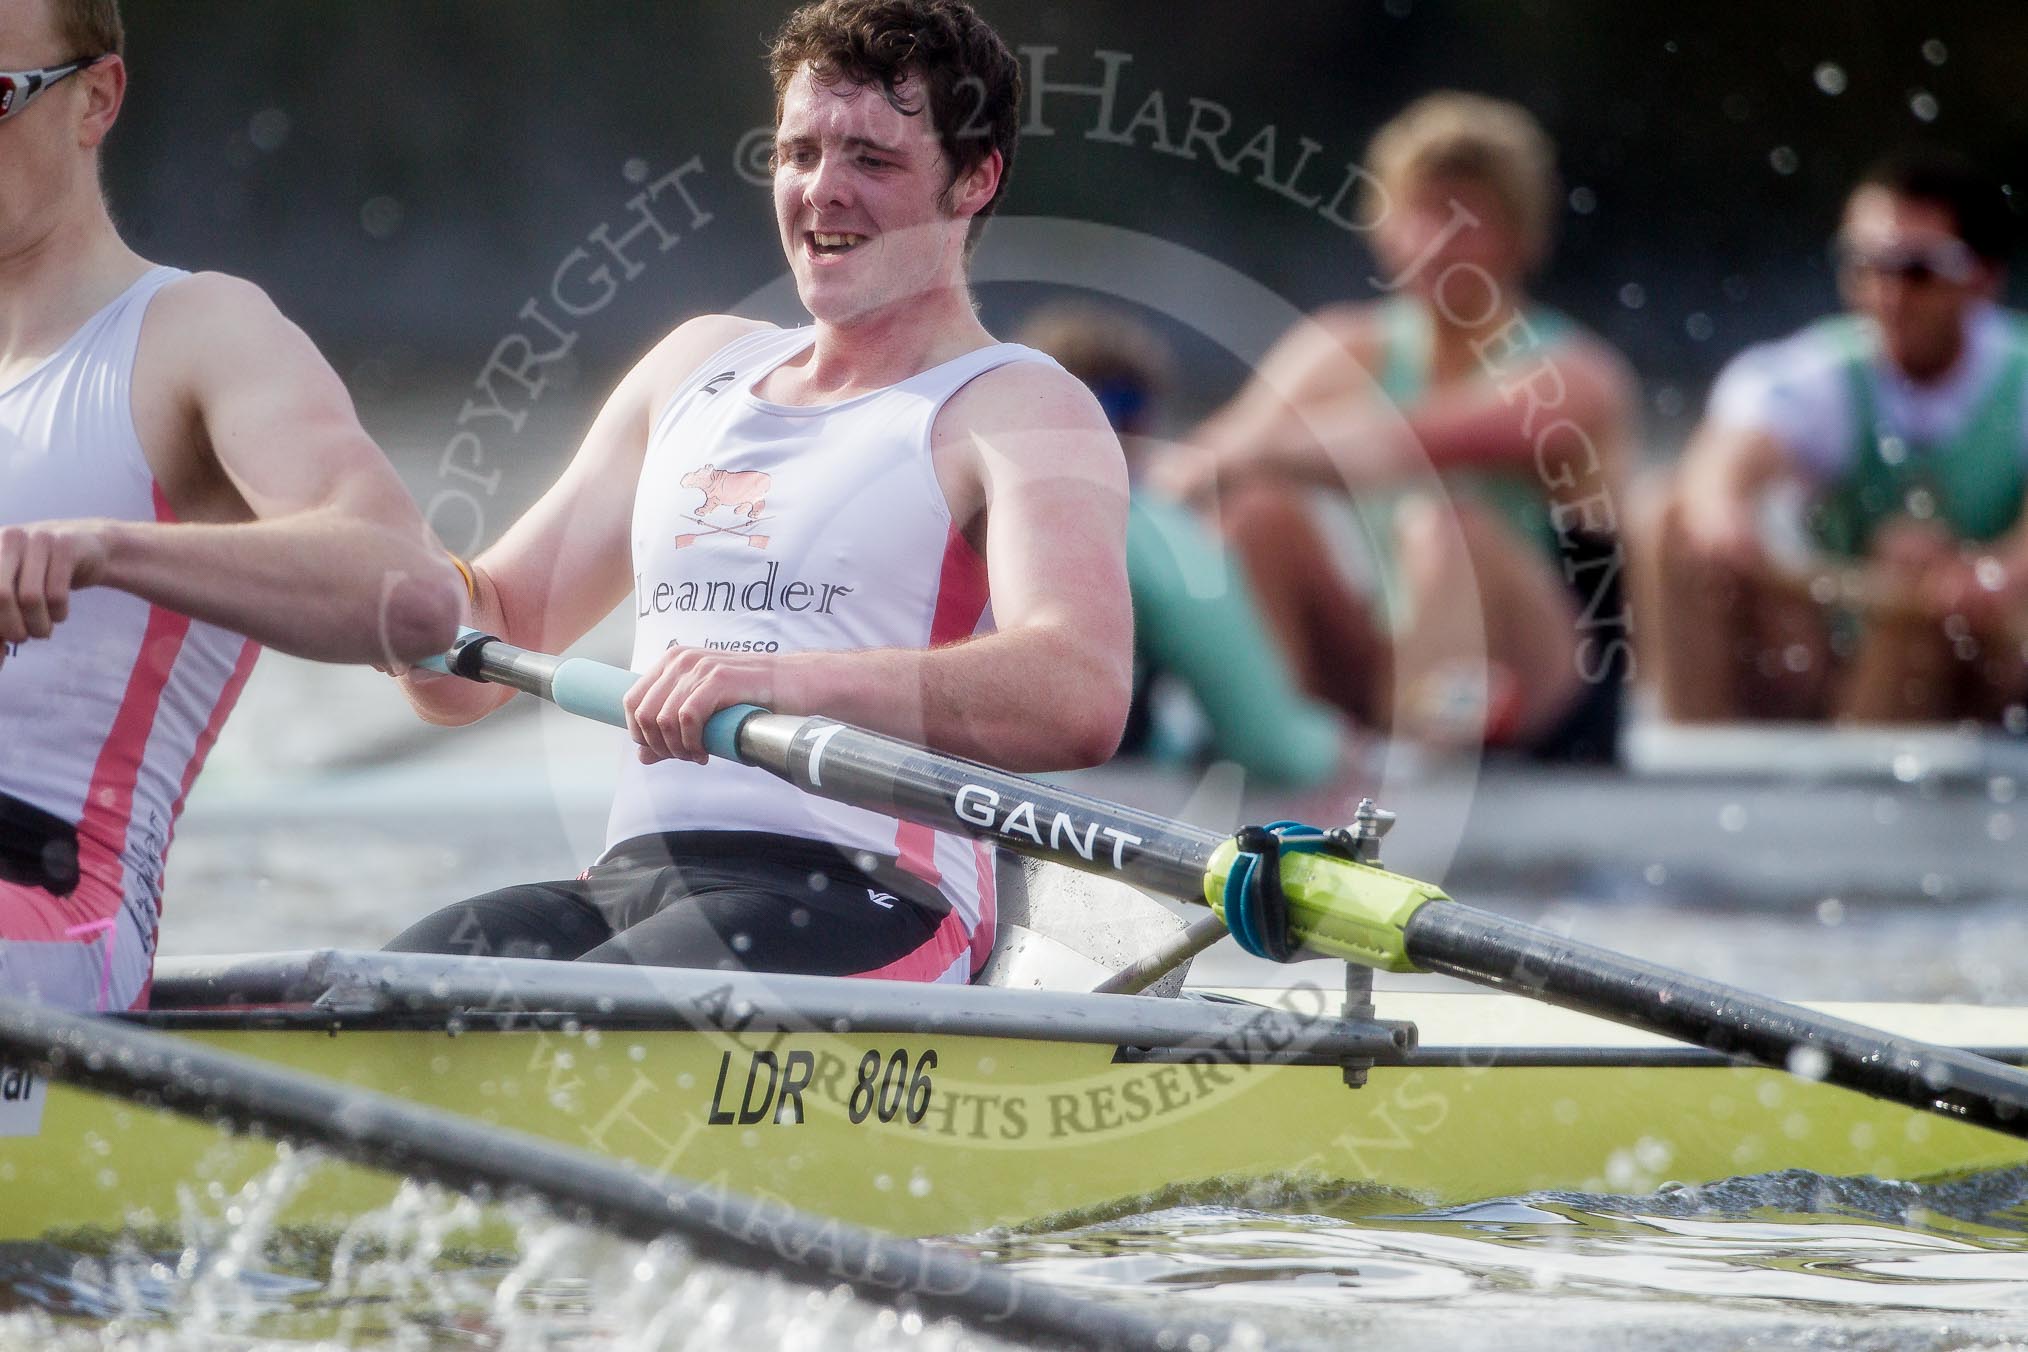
866,769
1493,950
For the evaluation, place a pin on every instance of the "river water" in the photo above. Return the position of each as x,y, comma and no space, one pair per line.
330,818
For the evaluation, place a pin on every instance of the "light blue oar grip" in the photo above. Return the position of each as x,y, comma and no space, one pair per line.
721,733
592,690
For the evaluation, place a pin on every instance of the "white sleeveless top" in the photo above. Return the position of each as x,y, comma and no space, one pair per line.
106,722
774,528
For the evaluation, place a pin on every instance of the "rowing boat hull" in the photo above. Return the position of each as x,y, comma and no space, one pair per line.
923,1133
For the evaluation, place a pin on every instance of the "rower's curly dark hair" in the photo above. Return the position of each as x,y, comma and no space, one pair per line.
973,82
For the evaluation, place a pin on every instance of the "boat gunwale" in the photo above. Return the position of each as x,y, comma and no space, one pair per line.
457,1024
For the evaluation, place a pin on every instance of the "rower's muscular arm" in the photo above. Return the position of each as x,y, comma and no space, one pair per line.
1024,451
567,562
1505,420
1314,414
1312,364
288,525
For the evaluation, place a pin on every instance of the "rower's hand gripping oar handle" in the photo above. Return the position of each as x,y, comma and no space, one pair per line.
576,685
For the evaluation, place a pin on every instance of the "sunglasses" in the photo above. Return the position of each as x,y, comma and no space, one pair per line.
19,87
1944,260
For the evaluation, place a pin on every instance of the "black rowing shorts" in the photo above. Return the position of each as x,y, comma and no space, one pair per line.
727,900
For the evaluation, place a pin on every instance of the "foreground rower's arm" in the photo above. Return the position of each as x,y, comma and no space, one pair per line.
285,522
567,562
1025,452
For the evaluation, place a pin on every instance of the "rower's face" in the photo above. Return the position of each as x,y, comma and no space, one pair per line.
1888,243
1438,223
869,218
48,147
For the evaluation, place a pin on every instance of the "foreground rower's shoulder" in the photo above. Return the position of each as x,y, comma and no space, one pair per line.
687,347
1028,396
219,317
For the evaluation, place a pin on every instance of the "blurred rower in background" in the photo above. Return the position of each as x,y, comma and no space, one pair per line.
1482,438
1846,535
1195,618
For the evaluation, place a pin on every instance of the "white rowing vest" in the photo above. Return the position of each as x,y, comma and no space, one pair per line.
772,528
106,722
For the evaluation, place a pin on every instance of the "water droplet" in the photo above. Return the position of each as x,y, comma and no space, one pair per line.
380,217
1783,160
2000,826
268,129
1923,104
1830,911
1732,817
1583,201
1655,874
2001,788
1698,326
1809,1063
1830,77
1935,52
1633,295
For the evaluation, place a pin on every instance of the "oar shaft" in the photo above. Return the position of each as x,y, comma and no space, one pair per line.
1494,950
388,1133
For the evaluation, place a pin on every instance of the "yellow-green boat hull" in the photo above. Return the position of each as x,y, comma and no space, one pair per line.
926,1134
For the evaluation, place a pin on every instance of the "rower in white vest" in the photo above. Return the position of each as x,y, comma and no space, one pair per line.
182,478
886,517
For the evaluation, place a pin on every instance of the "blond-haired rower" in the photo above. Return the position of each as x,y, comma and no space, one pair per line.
1484,434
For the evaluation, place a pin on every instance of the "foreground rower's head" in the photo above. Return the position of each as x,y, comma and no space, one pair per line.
1924,241
61,81
895,129
1461,179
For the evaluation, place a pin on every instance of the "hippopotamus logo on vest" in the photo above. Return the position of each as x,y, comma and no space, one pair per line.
743,492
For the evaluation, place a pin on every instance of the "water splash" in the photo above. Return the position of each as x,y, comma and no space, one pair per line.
432,1269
